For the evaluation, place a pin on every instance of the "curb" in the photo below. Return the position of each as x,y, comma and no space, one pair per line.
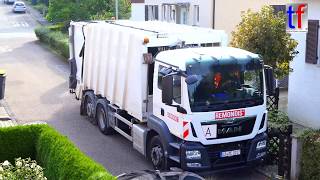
41,20
6,116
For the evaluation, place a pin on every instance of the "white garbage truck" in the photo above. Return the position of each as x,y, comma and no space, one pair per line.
178,93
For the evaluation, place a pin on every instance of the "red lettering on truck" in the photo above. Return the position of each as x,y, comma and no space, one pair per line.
173,117
230,114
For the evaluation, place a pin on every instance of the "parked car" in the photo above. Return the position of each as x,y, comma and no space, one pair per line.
19,6
9,1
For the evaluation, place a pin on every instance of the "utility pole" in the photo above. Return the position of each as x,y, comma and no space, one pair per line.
117,9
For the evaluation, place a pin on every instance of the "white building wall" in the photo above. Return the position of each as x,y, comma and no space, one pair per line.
304,81
228,12
137,11
205,6
206,13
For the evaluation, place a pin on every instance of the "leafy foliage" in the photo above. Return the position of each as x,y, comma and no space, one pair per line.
76,10
55,39
53,151
23,169
17,143
310,161
265,33
278,118
66,10
42,8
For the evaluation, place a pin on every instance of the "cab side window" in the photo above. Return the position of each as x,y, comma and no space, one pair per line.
177,89
176,84
160,76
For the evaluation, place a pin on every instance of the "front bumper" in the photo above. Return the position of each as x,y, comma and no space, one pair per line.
210,155
19,10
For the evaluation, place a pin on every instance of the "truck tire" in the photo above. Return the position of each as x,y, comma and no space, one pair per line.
88,104
156,154
102,118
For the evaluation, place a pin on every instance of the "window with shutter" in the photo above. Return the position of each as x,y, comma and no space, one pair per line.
146,13
156,12
312,43
151,12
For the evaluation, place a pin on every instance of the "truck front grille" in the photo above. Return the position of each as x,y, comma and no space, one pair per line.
233,128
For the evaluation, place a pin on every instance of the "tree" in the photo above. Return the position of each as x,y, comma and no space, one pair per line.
66,10
63,11
265,33
124,9
109,9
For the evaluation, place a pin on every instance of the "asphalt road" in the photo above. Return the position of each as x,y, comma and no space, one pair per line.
37,90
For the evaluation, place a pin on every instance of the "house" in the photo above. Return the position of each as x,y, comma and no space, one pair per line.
217,14
304,81
189,12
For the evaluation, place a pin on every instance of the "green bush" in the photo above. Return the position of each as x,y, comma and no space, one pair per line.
66,11
57,27
42,8
278,118
18,142
55,39
310,161
54,152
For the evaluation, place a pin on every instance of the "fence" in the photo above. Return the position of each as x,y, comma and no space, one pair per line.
279,149
273,100
279,141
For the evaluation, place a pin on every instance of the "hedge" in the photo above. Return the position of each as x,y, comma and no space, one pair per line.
57,40
310,160
54,152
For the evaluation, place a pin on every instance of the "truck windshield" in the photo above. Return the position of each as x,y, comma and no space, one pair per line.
225,84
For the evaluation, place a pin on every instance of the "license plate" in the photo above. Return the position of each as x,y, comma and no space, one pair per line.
210,131
230,153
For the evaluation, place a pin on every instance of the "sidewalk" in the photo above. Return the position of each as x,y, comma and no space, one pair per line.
6,117
35,14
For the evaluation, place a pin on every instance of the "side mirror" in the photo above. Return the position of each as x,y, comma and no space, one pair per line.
167,89
191,79
269,78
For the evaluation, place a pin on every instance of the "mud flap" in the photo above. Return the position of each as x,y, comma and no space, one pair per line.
73,74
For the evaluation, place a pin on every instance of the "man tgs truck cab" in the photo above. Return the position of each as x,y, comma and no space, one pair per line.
177,92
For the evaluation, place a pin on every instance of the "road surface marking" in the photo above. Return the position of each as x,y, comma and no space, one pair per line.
20,24
4,49
17,35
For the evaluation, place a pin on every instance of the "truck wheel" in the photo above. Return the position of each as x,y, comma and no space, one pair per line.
156,154
88,106
102,118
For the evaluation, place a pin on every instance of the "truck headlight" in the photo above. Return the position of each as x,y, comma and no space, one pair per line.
193,154
261,144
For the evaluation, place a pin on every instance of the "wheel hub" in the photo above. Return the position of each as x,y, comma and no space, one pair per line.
101,116
90,109
156,155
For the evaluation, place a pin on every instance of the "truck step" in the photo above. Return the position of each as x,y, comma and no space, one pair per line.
175,145
175,158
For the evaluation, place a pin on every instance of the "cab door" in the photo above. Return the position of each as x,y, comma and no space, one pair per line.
168,113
